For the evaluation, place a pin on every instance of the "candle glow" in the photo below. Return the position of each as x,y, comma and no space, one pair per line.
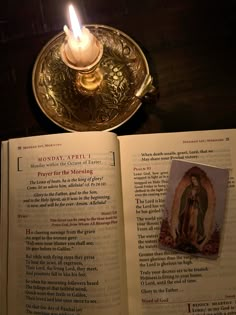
82,47
75,25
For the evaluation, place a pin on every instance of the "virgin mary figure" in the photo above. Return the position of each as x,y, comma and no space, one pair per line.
194,199
193,207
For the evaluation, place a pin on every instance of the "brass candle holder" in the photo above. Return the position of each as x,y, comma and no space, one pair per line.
88,77
100,96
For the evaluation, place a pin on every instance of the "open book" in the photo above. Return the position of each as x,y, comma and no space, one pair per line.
80,223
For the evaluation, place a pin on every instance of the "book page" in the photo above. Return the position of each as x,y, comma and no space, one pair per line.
3,227
66,250
162,281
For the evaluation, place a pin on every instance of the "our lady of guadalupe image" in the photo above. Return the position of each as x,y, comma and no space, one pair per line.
194,209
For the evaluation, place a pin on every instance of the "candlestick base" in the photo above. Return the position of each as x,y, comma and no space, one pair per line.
100,98
88,83
88,78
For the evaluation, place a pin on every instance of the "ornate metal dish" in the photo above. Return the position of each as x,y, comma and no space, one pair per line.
126,80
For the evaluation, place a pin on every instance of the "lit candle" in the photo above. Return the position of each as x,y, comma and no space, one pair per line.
81,47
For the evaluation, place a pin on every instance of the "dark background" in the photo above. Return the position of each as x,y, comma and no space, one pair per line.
189,44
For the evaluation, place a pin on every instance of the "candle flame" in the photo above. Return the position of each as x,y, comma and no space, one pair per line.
75,25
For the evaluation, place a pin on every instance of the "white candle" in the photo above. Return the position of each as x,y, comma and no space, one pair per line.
82,47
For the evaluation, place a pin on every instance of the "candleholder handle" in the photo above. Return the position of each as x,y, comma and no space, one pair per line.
147,89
